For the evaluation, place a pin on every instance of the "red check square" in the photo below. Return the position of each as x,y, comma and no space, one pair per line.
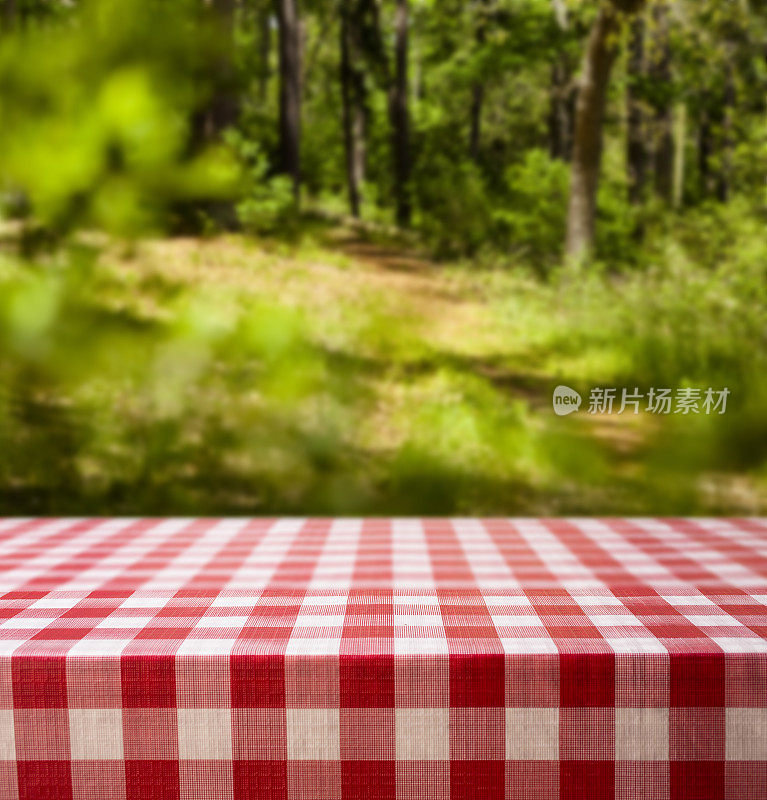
369,780
39,681
257,681
696,780
151,779
477,680
366,681
594,780
44,780
259,780
477,779
148,682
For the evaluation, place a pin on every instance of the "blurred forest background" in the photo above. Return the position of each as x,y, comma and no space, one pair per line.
332,256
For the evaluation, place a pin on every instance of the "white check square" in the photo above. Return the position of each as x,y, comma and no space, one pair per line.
746,734
7,735
96,734
314,734
532,734
204,734
641,734
422,734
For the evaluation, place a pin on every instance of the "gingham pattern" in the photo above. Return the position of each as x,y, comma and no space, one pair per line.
408,659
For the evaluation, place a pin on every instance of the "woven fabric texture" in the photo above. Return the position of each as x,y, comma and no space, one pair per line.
396,659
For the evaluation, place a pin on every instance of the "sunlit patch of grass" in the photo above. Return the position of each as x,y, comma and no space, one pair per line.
334,375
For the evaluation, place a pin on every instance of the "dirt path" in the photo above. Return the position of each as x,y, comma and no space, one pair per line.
414,332
406,285
428,301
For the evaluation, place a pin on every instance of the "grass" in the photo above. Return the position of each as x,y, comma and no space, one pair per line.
342,374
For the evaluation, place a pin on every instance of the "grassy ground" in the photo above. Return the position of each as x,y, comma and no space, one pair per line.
345,373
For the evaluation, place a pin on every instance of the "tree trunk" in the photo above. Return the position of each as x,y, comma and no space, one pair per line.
290,91
664,125
724,182
400,116
477,92
475,131
561,107
265,49
636,147
353,98
705,150
680,148
561,110
224,106
589,117
8,14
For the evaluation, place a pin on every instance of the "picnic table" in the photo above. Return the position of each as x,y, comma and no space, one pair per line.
407,659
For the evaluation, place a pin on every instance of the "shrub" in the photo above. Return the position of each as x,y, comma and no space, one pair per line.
532,220
455,211
266,202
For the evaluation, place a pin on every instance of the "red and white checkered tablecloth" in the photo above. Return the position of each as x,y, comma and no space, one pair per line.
409,659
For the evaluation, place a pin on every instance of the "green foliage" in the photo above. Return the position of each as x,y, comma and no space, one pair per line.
693,313
456,211
327,369
534,216
287,385
107,400
96,118
267,202
618,237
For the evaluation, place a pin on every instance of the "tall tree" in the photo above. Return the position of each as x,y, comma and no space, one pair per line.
562,107
725,87
221,109
724,182
224,107
680,147
601,49
8,14
290,91
353,95
636,145
478,87
264,17
705,152
663,123
400,115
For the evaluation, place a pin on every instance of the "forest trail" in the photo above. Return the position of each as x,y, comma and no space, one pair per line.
298,349
435,315
438,302
442,302
379,380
